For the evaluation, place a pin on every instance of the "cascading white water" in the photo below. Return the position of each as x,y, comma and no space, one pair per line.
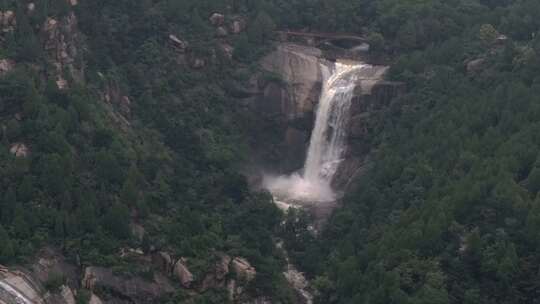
327,143
328,137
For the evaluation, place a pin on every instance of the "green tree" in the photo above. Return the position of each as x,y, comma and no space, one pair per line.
376,42
25,191
7,209
242,49
262,28
488,34
86,216
6,246
407,36
28,46
107,167
21,226
116,221
59,226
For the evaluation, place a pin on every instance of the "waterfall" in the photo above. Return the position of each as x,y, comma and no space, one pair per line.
328,139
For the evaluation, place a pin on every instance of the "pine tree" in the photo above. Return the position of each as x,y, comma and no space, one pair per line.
25,190
59,7
129,193
28,46
6,246
59,226
116,221
20,224
86,216
7,209
262,28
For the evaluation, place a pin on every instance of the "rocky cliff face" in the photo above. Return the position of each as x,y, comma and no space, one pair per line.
289,100
287,92
298,68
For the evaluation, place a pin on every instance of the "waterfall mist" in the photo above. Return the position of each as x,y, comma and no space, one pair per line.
327,143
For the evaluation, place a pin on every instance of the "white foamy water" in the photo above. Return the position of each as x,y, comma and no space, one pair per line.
328,139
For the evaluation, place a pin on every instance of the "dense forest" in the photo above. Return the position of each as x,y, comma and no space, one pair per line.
448,213
84,170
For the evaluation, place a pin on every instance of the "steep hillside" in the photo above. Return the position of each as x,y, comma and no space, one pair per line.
120,153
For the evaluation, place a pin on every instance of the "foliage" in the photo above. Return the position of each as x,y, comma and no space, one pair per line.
170,165
449,211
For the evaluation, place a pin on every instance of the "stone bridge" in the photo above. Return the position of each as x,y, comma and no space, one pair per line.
341,40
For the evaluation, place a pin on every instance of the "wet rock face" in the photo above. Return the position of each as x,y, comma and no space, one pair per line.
298,68
286,94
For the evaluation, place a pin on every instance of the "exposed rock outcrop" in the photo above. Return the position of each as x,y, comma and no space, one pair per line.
31,7
198,63
223,266
163,262
64,47
21,287
179,44
475,66
50,263
227,50
19,150
182,273
135,289
6,66
243,269
300,73
8,22
138,232
237,25
112,93
67,295
94,300
286,93
217,19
